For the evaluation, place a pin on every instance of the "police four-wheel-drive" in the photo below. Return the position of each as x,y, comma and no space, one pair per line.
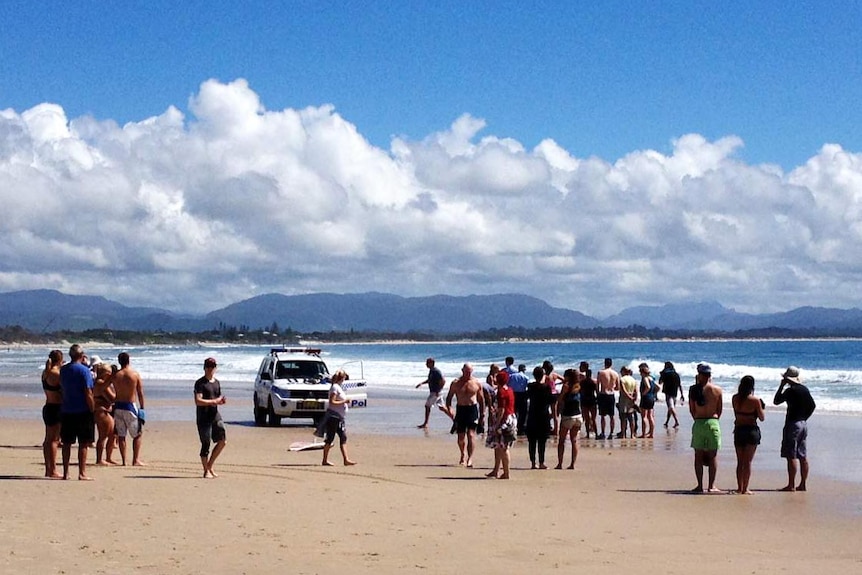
294,382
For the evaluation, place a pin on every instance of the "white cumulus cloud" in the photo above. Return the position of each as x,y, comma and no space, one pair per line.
195,212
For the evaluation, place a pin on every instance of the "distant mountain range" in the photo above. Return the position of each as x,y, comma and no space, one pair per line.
43,311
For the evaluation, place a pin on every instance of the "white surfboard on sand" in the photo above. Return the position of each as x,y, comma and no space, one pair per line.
305,445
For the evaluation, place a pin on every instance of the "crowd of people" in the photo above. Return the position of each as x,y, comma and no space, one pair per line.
507,406
85,394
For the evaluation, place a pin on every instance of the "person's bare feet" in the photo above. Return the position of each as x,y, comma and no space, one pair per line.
503,477
139,463
788,488
84,478
802,487
542,466
697,489
558,466
423,426
111,462
572,466
328,464
715,490
491,474
469,463
349,462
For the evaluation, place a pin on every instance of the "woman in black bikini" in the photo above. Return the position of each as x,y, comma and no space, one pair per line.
747,410
51,412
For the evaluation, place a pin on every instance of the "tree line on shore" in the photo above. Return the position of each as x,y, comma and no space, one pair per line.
273,335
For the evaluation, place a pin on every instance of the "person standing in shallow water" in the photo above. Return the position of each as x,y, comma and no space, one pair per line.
671,386
705,405
747,411
794,441
211,429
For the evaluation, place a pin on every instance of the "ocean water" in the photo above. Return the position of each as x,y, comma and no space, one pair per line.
832,369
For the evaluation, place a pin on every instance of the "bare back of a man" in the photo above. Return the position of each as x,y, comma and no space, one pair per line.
128,417
127,383
705,405
608,380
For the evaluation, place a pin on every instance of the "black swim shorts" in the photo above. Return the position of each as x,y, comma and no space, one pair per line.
606,404
77,427
466,417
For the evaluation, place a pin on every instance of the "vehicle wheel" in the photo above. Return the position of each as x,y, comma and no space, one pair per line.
259,413
273,419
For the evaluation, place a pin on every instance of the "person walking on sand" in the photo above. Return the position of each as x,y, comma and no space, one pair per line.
211,429
671,385
794,439
51,412
469,411
704,404
747,410
608,382
435,383
335,419
76,412
129,417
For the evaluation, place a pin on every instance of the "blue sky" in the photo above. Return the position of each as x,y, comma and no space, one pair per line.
596,155
602,78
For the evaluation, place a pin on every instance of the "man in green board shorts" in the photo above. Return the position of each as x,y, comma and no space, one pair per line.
704,404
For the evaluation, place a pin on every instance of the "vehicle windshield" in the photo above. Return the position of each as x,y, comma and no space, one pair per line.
299,369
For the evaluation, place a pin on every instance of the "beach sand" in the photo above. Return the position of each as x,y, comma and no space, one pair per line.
408,507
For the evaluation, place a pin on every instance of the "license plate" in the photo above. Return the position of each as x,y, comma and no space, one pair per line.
310,405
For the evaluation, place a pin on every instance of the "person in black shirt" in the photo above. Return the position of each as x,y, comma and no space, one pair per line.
800,406
210,425
670,384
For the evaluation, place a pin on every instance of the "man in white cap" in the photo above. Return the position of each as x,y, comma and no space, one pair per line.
800,406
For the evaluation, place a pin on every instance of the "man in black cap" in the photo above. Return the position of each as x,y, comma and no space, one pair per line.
800,406
705,406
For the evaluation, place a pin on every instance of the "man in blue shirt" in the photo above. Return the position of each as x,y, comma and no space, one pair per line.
76,411
436,383
518,381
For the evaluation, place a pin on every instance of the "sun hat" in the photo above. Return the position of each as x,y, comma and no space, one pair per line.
791,374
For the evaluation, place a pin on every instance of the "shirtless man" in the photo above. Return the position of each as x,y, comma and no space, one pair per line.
608,382
128,417
704,404
469,411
